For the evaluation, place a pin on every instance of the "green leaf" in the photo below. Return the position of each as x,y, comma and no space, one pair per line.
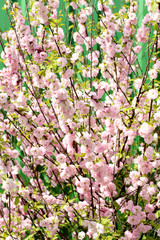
157,226
149,238
156,26
30,237
16,201
109,238
157,214
70,27
153,6
26,208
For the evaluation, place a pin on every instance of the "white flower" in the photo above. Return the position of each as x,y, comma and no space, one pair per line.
81,235
111,2
9,238
157,116
7,4
27,223
95,235
3,97
9,185
118,48
137,83
158,232
153,74
100,228
15,170
152,94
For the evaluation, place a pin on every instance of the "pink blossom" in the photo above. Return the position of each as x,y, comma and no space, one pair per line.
152,94
142,34
54,3
100,228
157,116
27,223
149,208
88,42
145,129
37,151
148,138
128,235
78,49
81,128
77,38
149,153
153,74
3,98
67,172
73,5
12,153
9,185
133,220
82,18
137,83
62,62
69,73
137,49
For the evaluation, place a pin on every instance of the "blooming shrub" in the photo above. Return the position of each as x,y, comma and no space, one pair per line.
80,122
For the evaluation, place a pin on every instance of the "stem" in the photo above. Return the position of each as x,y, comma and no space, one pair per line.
92,203
28,16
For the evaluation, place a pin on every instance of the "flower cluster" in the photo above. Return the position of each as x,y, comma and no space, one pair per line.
79,122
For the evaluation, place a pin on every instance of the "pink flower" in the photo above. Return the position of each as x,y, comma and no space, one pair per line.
37,151
69,73
88,42
61,95
61,158
145,129
53,3
157,65
136,210
82,18
62,61
133,220
78,49
148,138
118,48
100,228
137,83
27,223
142,228
149,208
149,152
137,49
73,5
9,185
67,172
143,34
77,38
128,235
134,175
3,98
152,94
157,116
153,74
12,153
130,205
141,215
75,57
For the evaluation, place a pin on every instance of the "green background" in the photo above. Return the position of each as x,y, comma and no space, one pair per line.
4,23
